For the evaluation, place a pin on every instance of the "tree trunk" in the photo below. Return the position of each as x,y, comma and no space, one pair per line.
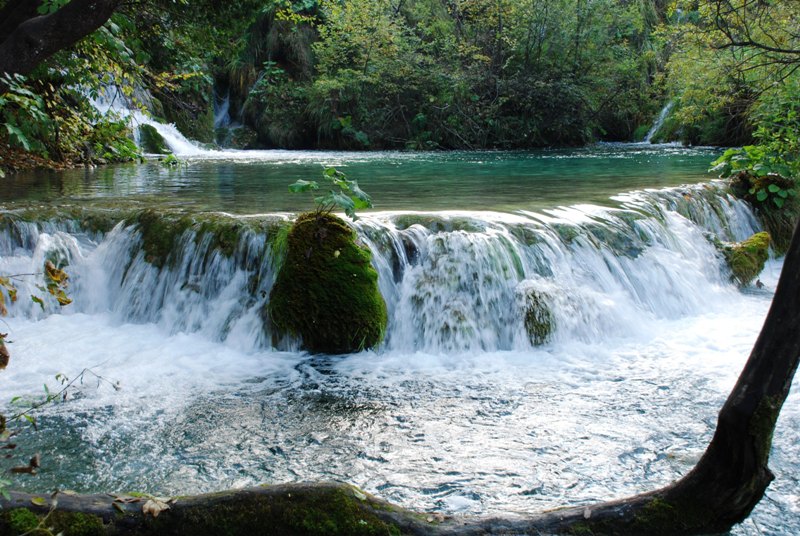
34,38
719,492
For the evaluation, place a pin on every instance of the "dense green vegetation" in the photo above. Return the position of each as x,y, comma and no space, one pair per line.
419,74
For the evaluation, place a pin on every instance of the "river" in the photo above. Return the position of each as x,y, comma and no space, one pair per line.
458,411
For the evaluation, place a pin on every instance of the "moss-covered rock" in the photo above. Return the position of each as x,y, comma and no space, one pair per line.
326,291
151,141
779,221
746,259
191,110
160,234
538,319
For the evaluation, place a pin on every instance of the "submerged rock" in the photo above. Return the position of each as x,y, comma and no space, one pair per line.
746,259
327,290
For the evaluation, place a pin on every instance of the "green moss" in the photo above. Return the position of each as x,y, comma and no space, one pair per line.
438,224
192,112
323,511
151,141
19,521
225,234
746,259
567,233
656,516
539,320
581,529
778,221
160,235
326,291
279,243
76,523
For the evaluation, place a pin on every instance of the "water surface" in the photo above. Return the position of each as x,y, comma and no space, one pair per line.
255,182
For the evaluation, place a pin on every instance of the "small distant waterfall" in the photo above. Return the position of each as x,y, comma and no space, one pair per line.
113,101
222,118
662,116
453,282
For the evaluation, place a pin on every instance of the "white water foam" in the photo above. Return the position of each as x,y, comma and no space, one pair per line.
458,412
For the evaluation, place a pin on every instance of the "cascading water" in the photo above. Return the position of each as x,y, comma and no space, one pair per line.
113,101
662,116
458,282
531,359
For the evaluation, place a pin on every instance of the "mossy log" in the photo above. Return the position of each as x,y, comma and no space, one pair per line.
719,492
326,292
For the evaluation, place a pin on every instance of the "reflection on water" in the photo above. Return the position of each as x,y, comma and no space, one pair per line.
247,182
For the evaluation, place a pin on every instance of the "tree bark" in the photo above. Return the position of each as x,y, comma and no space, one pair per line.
719,492
34,38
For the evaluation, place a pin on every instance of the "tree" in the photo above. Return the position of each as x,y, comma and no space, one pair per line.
33,30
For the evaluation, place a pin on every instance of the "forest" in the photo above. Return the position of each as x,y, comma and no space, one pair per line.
549,301
409,74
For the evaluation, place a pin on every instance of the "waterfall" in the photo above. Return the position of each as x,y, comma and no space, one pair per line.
454,282
113,101
222,118
662,116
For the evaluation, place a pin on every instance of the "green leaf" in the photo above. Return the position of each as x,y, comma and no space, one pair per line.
783,194
360,197
303,186
761,170
762,195
38,300
17,134
39,501
347,204
778,201
774,188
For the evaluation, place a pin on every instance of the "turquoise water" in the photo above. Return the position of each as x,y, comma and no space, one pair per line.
457,412
250,182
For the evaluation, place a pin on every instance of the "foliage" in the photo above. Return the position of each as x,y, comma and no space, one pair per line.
23,114
729,58
767,169
343,193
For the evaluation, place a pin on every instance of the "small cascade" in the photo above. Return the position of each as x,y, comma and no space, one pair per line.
662,116
222,118
453,282
113,101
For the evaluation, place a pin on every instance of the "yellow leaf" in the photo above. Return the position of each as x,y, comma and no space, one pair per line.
39,501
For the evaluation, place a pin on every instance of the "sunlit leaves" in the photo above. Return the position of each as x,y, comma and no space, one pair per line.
344,194
56,281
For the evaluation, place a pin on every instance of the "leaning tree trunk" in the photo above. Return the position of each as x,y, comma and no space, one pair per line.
33,38
719,492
